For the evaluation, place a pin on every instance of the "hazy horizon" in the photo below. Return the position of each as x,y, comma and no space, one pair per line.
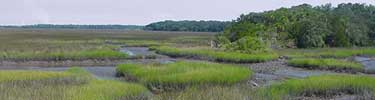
139,12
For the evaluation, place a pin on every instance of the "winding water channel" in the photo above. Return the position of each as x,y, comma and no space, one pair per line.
109,72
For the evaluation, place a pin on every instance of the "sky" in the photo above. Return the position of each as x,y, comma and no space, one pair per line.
138,12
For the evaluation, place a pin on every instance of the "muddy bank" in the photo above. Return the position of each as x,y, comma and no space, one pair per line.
274,71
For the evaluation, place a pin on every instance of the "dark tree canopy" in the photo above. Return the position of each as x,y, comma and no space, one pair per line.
194,26
305,26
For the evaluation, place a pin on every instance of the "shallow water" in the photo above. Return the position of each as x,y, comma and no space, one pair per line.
299,73
102,72
368,63
137,51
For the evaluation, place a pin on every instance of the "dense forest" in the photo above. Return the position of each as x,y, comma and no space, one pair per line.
303,26
194,26
52,26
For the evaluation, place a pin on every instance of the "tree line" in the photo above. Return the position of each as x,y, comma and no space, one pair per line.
303,26
194,26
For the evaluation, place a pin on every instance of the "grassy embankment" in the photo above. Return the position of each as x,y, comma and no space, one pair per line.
320,86
337,59
327,64
179,75
215,55
327,52
74,84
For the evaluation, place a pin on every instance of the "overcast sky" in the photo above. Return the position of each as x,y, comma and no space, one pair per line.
139,12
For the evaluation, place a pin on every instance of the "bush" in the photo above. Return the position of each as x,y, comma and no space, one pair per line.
248,45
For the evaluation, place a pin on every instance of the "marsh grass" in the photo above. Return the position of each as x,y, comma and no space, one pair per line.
73,84
327,64
215,55
322,86
209,92
327,52
179,75
64,44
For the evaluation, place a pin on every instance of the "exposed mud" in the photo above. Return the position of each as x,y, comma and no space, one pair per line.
267,73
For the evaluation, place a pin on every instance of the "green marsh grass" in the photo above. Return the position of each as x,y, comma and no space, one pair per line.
209,92
326,64
65,44
215,55
73,84
323,86
178,75
327,52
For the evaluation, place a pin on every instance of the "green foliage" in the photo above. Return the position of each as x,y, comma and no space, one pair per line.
243,37
325,85
181,74
195,26
309,27
248,44
328,64
215,55
309,33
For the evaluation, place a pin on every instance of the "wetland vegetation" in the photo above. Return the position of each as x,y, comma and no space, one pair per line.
302,52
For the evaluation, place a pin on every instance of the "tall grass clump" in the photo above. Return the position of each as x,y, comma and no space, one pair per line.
328,52
107,90
322,86
96,54
73,84
215,55
327,64
209,92
181,74
74,75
